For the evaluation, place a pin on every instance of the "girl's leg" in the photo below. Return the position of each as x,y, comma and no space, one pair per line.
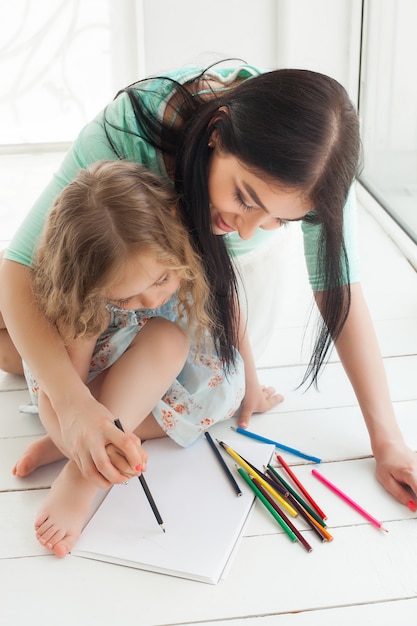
51,448
130,389
144,373
61,518
37,454
44,450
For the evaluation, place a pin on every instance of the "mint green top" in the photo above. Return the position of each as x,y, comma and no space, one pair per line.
92,144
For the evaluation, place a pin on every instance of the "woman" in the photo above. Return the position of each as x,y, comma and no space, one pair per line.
247,151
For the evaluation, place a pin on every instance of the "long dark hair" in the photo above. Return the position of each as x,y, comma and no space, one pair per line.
297,129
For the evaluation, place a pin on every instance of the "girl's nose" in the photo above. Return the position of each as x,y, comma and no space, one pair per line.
148,302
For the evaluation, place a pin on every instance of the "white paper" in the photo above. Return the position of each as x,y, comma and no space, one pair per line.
202,515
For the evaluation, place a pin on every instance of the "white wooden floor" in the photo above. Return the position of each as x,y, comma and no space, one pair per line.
363,575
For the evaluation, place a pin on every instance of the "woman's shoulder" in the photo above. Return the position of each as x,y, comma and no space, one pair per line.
221,73
158,89
229,74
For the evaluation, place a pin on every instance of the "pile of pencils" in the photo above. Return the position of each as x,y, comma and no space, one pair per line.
281,499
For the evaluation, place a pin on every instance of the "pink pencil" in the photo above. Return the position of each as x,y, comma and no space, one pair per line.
346,498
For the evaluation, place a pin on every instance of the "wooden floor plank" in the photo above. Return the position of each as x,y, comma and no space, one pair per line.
269,576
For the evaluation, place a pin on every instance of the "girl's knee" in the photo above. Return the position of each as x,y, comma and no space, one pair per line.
169,336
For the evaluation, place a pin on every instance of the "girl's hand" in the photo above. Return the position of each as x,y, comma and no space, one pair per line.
396,470
258,399
119,461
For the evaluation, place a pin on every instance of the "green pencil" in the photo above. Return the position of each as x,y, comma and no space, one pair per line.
270,508
296,496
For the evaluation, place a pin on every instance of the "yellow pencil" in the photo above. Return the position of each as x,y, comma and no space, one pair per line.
263,482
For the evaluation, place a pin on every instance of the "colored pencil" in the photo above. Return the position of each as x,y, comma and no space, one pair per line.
250,471
281,446
301,487
223,465
313,520
280,487
271,482
146,488
267,505
295,495
348,500
319,530
289,523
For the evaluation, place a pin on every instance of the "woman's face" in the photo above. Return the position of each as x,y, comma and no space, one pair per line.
242,202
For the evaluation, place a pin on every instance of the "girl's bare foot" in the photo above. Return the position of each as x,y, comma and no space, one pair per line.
63,514
37,454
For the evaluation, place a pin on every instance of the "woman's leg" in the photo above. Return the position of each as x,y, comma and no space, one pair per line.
130,389
10,360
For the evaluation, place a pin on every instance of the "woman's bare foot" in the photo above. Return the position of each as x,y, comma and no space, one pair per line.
63,514
37,454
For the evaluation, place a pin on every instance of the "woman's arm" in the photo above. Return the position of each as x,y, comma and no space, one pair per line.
358,349
86,426
258,398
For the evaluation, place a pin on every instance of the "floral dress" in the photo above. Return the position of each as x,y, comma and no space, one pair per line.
201,395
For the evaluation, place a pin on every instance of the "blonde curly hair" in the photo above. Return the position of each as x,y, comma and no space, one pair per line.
109,213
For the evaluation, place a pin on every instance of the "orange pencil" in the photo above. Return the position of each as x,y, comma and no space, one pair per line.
326,536
301,487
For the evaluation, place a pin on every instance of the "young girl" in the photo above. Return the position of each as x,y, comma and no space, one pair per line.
116,274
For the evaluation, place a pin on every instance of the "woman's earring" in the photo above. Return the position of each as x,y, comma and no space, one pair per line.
211,144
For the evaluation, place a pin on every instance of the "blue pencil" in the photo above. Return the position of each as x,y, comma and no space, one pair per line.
281,446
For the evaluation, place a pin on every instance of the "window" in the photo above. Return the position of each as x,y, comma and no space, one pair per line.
388,108
61,61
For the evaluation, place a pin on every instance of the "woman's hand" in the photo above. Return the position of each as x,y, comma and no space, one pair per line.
83,432
357,346
396,470
91,441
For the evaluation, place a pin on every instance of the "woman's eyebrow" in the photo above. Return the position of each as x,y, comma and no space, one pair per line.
256,199
254,196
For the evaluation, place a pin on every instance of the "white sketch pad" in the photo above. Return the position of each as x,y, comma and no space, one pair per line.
203,517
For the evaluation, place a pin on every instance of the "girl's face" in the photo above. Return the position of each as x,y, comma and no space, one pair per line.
242,202
146,284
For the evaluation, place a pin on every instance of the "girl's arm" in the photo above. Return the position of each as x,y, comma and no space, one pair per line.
359,353
85,425
258,398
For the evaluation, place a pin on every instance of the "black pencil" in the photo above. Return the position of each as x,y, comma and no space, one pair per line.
289,523
223,463
145,488
304,512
